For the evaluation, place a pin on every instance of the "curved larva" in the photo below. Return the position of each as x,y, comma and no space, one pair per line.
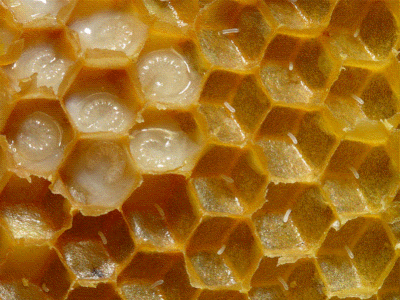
162,147
107,159
166,77
39,136
29,10
99,112
43,60
112,31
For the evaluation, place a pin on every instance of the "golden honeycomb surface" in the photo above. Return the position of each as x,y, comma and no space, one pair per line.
199,149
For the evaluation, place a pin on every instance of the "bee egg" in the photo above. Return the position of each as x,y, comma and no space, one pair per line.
39,136
167,78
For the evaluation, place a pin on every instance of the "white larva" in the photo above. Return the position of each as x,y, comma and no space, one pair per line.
286,216
229,107
358,99
292,137
221,250
167,78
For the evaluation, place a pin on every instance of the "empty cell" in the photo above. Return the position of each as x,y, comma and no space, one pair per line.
373,252
41,59
112,30
379,100
31,211
99,174
162,146
378,30
167,77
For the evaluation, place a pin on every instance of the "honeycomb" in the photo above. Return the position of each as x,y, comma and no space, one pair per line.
199,149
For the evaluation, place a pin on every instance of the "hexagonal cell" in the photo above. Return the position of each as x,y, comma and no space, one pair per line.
222,295
296,143
160,212
359,178
355,259
37,132
177,13
390,289
99,174
102,291
380,101
296,70
222,253
166,142
33,272
95,246
233,106
229,180
371,30
156,276
169,71
301,15
34,13
101,101
45,65
30,211
293,219
107,30
299,280
232,35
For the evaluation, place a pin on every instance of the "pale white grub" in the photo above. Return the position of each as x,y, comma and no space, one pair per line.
286,216
166,77
355,173
292,137
283,282
107,159
358,99
39,136
221,250
160,211
336,225
157,283
26,11
290,66
42,59
357,32
111,30
102,237
230,30
100,174
229,107
99,111
349,252
45,288
161,147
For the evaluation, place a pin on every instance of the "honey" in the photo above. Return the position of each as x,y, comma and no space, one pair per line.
199,149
